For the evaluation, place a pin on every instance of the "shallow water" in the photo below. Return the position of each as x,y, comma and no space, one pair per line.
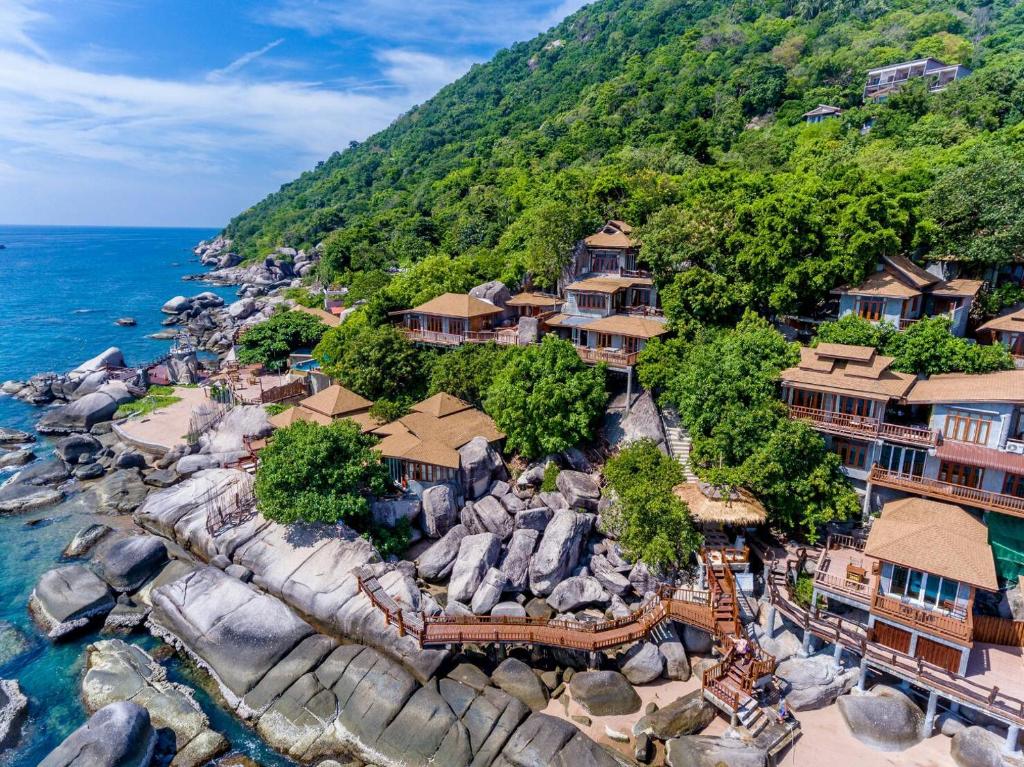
63,289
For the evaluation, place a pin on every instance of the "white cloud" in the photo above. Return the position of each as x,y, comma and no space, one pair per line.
441,21
420,74
242,61
16,16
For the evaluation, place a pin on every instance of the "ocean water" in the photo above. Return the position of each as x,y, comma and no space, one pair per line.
62,290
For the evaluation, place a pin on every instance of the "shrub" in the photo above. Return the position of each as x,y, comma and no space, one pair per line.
156,398
270,342
550,482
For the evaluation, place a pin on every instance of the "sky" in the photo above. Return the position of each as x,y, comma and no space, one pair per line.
186,112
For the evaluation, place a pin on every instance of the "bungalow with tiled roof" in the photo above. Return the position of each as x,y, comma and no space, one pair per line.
821,113
421,449
327,406
1008,330
451,319
901,292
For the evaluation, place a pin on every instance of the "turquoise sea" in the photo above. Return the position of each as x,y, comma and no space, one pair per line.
63,287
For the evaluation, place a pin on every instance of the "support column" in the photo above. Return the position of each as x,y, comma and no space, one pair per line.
866,510
629,388
837,654
771,622
805,645
1010,746
863,678
929,717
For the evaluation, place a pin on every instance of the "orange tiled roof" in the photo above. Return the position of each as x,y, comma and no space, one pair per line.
634,327
1001,386
336,400
850,370
460,305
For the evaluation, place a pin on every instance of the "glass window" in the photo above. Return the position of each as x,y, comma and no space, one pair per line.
947,594
1013,484
963,426
852,454
871,308
899,580
931,589
914,584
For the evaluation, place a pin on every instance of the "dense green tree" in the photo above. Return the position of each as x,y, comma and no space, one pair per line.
376,362
697,295
651,523
546,399
468,371
854,331
314,473
270,342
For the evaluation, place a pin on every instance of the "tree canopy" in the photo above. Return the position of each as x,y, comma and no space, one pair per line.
314,473
468,371
377,362
270,342
546,399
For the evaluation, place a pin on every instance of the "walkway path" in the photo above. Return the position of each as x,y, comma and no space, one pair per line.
679,444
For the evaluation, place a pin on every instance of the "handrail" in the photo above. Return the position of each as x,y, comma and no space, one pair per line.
936,488
610,356
909,614
862,426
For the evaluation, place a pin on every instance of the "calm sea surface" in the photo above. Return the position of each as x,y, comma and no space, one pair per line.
62,289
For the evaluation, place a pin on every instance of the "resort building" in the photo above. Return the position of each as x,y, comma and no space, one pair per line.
884,81
900,292
451,319
611,250
1008,330
821,113
422,449
725,519
532,304
913,581
327,406
851,395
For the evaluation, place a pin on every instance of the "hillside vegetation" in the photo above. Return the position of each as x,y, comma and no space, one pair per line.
685,118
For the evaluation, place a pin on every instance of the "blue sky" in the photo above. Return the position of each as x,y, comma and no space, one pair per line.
184,112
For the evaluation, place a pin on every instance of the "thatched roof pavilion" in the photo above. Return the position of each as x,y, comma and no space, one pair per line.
709,505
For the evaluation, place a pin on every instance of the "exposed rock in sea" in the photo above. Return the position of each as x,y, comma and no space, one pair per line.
14,436
127,563
118,671
13,706
67,599
118,735
85,539
13,458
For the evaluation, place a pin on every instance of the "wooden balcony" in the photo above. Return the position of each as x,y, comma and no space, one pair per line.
834,574
947,491
613,357
951,627
863,427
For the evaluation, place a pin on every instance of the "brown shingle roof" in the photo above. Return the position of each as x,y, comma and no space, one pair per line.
914,274
295,414
614,234
1001,386
331,320
884,284
609,284
958,288
460,305
534,299
823,109
934,537
1012,322
854,372
335,401
440,405
634,327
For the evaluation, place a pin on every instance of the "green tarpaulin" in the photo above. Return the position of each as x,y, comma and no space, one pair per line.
1006,534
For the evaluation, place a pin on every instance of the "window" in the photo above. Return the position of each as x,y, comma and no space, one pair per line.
964,426
914,584
456,327
907,461
898,585
960,474
1013,484
870,308
641,297
590,300
630,345
852,454
434,324
604,262
604,341
804,398
854,406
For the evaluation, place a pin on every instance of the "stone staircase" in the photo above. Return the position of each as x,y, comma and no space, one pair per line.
678,441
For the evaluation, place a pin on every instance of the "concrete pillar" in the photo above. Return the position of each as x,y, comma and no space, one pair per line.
863,678
837,654
629,388
1010,746
771,622
805,645
866,510
929,716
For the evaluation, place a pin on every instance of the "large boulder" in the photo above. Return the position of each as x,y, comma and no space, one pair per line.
76,447
576,592
84,413
642,663
477,554
559,550
17,497
518,680
242,308
494,292
687,715
390,511
9,436
643,421
176,305
814,682
435,564
108,358
118,671
129,562
13,706
886,719
696,640
10,459
604,693
440,510
487,515
704,751
516,564
544,740
579,490
613,581
67,599
480,465
230,434
118,735
977,747
120,492
230,628
677,665
488,593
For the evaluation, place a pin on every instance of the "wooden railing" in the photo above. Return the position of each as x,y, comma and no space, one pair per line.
833,629
947,491
1001,631
947,626
845,424
843,541
434,337
608,356
298,388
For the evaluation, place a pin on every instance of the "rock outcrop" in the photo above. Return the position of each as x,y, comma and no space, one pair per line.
886,719
559,550
118,735
13,706
68,599
604,693
814,682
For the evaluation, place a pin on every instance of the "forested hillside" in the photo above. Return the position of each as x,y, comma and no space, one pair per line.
685,118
